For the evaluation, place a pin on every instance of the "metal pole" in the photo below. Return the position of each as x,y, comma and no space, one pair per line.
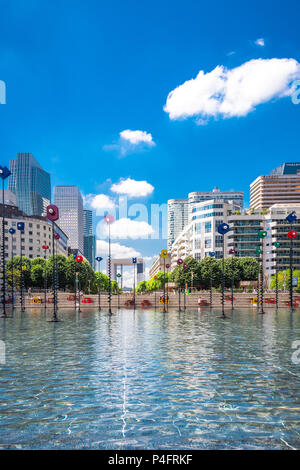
45,280
99,289
232,282
291,274
276,283
258,292
223,279
184,299
262,279
134,286
75,285
109,272
164,310
54,277
179,304
3,252
12,278
210,287
21,274
79,293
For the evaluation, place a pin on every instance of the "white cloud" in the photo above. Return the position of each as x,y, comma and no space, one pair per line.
127,228
137,137
99,201
132,188
260,42
117,250
232,92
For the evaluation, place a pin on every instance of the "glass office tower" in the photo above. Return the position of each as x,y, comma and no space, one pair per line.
69,202
89,240
30,184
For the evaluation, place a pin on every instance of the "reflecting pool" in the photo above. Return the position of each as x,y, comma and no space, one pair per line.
149,380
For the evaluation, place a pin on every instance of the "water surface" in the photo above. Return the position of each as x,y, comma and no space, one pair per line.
149,380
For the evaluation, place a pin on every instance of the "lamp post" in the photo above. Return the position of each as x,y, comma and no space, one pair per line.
212,254
45,248
155,279
277,245
185,289
109,220
4,173
164,254
79,260
179,263
53,216
258,252
261,235
99,259
292,234
223,229
232,252
21,227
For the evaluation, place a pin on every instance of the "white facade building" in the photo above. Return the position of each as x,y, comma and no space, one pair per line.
37,232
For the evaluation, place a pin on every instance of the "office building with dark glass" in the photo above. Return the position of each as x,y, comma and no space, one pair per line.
30,184
89,240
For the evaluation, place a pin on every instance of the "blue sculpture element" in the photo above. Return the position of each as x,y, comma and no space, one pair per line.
223,228
291,218
133,260
75,255
212,254
12,230
20,226
99,259
4,172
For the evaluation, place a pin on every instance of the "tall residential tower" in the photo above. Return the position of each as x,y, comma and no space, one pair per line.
89,240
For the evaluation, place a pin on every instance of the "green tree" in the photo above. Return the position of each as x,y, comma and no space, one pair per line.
142,286
16,261
210,267
61,262
249,267
37,275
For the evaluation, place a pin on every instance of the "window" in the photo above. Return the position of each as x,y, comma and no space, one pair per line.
30,240
30,233
30,248
30,225
208,243
207,227
198,228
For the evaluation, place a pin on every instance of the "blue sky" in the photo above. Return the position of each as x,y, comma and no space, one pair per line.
78,73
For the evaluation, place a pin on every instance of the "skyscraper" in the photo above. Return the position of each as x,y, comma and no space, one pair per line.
30,184
89,240
69,202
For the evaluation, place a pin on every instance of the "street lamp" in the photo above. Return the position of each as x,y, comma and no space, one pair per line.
99,259
12,232
223,229
277,245
45,248
185,289
53,216
109,219
164,254
179,263
21,227
167,268
292,234
212,254
261,235
4,173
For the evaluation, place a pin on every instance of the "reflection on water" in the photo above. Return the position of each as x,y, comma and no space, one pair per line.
150,380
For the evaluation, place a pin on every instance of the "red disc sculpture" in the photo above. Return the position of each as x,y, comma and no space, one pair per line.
292,234
79,259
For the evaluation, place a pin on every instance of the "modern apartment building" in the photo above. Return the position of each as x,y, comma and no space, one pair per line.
37,232
180,211
70,204
282,186
89,240
201,236
177,218
30,184
237,197
158,265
